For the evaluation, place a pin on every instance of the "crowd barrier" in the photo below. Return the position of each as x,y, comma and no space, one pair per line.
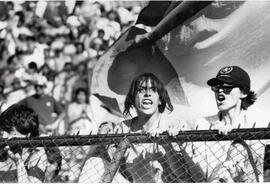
97,158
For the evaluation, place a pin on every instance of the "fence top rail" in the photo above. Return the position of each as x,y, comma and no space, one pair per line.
183,136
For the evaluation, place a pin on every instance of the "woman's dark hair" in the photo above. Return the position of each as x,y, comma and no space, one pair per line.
136,84
249,99
85,91
20,117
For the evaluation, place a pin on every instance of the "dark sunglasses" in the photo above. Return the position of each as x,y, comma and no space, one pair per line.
225,89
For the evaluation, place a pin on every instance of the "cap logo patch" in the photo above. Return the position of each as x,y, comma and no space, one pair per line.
226,70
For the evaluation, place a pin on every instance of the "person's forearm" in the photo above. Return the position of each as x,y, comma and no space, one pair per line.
115,162
177,16
175,163
21,172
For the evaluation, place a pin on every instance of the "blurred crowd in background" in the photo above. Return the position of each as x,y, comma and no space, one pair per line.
60,40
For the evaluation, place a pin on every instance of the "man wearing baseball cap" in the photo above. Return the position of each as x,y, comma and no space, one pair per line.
47,108
224,161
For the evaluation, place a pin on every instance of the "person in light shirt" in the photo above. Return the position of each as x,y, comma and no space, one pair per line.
230,161
80,115
153,162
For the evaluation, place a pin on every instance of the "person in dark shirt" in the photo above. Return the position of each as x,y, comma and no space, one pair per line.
49,111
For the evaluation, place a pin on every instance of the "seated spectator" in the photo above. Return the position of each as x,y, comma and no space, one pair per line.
82,76
81,54
19,164
46,71
79,114
7,76
64,83
28,74
16,93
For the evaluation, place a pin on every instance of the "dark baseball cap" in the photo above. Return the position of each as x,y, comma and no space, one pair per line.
231,75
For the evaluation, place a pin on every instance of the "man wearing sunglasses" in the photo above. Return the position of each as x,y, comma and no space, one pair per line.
227,161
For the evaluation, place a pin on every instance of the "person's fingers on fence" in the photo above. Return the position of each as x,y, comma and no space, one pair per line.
173,131
115,162
155,132
175,127
224,129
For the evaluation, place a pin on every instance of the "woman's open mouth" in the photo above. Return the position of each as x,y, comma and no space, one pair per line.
147,103
220,98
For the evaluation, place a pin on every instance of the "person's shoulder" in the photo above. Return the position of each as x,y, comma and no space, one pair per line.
29,97
26,99
124,126
205,123
257,118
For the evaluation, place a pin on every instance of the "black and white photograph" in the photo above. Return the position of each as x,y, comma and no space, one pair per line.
110,91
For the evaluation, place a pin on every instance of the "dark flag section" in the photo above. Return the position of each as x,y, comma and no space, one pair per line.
110,104
153,13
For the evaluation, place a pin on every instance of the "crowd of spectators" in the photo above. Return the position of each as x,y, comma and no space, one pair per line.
58,42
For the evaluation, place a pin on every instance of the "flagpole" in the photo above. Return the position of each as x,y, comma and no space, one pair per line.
174,18
177,16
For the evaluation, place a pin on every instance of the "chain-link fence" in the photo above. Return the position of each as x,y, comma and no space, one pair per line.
192,156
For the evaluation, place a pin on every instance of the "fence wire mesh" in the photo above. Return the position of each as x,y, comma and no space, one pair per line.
192,156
